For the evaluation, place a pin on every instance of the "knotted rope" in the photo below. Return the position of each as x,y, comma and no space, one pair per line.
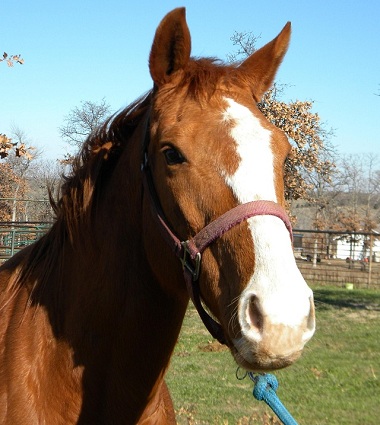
265,390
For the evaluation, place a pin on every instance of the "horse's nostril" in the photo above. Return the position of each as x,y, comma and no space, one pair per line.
256,319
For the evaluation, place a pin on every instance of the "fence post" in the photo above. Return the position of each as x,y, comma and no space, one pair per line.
315,251
13,232
370,260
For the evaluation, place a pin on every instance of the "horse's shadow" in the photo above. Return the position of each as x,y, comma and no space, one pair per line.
338,298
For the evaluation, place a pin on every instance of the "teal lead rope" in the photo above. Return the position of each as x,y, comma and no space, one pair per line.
265,389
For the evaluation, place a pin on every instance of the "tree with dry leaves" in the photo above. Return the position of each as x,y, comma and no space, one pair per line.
11,59
19,148
6,144
13,174
11,186
310,164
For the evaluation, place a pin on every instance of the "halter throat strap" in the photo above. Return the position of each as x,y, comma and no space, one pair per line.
190,251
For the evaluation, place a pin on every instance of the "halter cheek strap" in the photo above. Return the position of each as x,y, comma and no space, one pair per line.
190,252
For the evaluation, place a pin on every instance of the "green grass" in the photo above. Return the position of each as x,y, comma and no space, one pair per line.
337,380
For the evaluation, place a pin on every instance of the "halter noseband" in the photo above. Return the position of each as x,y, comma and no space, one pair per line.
190,251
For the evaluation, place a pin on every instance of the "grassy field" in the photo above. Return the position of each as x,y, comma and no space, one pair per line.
337,381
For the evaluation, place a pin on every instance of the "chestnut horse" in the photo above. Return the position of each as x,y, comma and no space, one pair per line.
90,313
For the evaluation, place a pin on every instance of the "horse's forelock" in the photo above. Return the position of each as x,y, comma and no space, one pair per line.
203,76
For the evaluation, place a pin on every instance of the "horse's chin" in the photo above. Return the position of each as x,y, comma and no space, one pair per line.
252,358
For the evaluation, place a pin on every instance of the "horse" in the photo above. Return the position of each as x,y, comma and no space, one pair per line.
178,196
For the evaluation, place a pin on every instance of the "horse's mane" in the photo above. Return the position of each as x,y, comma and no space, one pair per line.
92,165
95,161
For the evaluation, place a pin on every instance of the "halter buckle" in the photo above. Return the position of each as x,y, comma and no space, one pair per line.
193,265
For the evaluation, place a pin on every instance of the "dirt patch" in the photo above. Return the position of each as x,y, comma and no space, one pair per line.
212,347
264,419
352,315
362,315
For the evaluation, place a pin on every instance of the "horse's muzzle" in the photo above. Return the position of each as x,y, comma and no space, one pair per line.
268,345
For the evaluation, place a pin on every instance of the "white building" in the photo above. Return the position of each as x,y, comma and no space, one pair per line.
356,247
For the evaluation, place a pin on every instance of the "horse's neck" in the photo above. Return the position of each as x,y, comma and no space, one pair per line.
108,323
118,318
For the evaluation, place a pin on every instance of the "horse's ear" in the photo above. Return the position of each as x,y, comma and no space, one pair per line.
171,47
262,65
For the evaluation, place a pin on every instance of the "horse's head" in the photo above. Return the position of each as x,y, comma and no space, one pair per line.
210,150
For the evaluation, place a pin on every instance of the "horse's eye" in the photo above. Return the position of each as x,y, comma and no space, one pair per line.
173,156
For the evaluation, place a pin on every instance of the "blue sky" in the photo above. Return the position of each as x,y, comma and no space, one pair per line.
89,49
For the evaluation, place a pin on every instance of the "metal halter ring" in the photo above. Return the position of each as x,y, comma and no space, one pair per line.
193,265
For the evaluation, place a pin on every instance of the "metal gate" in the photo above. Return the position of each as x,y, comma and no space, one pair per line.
15,236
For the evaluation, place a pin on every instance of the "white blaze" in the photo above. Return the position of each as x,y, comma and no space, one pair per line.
253,180
276,281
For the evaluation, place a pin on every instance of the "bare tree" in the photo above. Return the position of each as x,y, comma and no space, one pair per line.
360,197
83,121
245,43
43,176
